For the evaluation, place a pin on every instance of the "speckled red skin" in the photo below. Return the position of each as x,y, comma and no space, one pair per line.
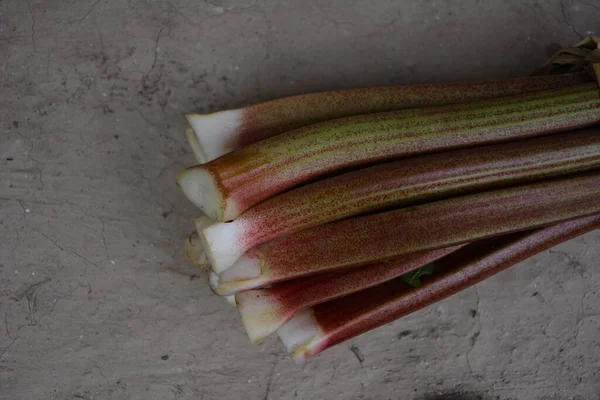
258,171
418,179
289,297
443,223
271,118
347,317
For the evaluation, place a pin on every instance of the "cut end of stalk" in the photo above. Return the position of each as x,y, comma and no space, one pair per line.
195,145
200,187
231,300
244,268
243,275
259,315
201,223
222,245
216,133
195,252
213,281
299,334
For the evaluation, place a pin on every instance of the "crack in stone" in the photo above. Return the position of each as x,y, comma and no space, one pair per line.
104,239
475,335
597,7
29,294
32,27
72,252
566,19
155,50
87,14
8,347
6,325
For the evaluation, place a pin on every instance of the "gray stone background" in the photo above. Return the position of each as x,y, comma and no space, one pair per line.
97,300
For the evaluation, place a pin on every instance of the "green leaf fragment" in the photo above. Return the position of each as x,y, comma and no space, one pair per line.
413,278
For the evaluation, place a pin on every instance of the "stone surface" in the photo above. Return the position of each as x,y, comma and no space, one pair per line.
97,300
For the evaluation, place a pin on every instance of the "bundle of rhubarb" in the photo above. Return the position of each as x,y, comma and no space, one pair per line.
330,214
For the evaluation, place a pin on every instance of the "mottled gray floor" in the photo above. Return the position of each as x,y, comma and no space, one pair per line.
96,298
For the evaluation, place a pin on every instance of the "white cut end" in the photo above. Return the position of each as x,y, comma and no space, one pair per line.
190,135
213,281
222,244
202,222
259,314
216,132
244,268
203,261
245,274
233,287
231,300
195,252
298,334
200,188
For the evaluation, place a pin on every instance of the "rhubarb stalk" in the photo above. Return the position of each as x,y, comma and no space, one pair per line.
194,249
327,324
192,139
212,135
195,252
264,311
399,183
443,223
225,187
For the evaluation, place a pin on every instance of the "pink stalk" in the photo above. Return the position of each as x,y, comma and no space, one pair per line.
231,184
218,133
327,324
361,240
266,310
400,183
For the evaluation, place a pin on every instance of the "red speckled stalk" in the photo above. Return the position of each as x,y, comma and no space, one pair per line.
254,123
330,323
443,223
264,311
399,183
231,184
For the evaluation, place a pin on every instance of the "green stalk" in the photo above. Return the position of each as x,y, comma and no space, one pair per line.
231,184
